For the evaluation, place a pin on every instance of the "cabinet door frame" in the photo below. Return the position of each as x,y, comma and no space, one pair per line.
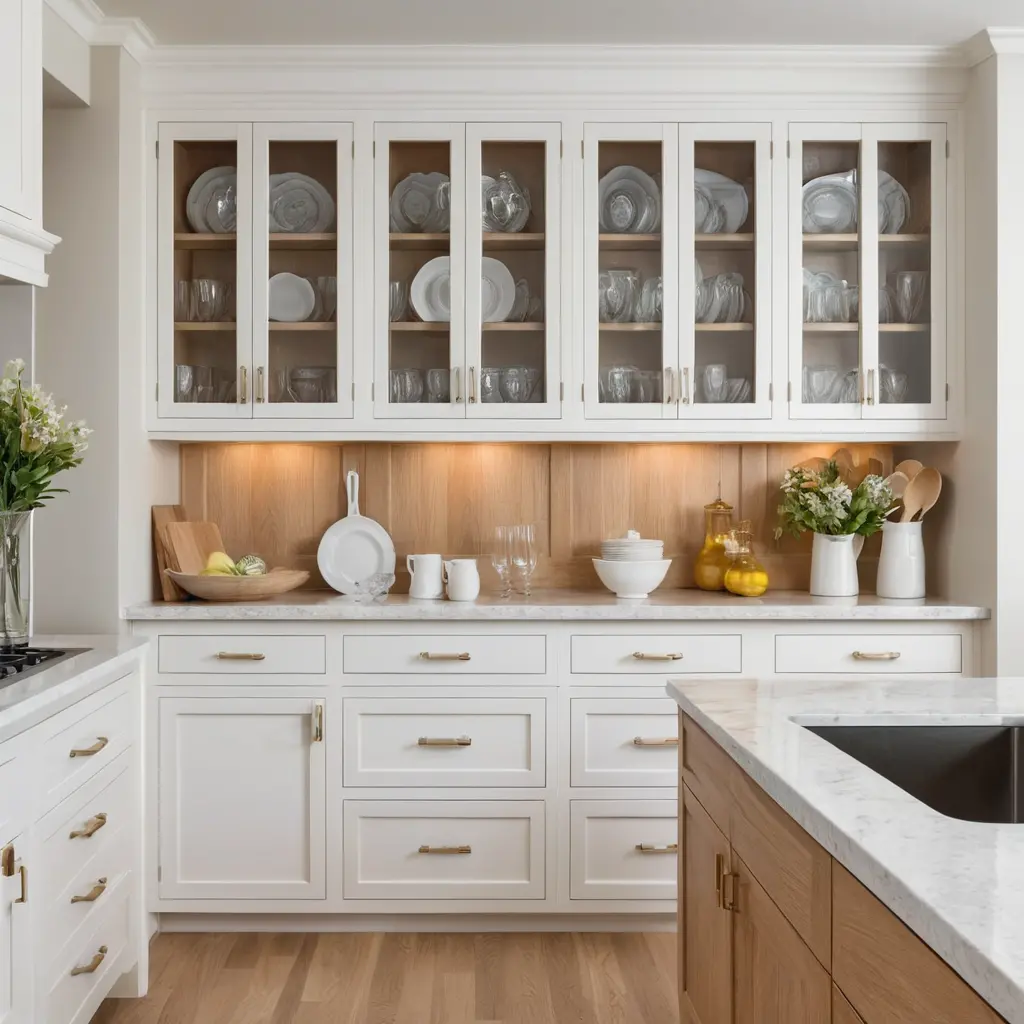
169,710
21,171
263,134
667,133
453,133
169,132
760,133
550,133
801,132
875,134
16,938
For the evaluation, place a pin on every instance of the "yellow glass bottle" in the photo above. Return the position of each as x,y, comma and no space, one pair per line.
709,569
745,576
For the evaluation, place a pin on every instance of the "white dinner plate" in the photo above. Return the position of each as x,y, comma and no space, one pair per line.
202,193
430,291
354,548
300,204
829,204
497,291
421,202
634,188
729,194
290,298
894,204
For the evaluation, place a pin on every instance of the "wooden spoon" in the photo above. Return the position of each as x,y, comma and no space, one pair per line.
898,482
911,467
843,458
921,494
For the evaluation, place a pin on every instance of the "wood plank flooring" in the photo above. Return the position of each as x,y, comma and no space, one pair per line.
548,978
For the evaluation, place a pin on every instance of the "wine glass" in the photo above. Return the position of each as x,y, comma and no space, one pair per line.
500,558
523,553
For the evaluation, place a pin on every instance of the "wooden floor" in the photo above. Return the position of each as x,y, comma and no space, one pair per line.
405,979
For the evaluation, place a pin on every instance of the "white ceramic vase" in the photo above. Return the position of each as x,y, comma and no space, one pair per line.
901,563
834,565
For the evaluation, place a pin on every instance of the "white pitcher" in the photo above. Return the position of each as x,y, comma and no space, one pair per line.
834,565
901,564
463,579
425,571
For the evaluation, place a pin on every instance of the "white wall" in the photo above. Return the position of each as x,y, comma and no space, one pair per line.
65,63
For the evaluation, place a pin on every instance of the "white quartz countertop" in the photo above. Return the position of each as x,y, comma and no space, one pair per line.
27,701
958,884
664,605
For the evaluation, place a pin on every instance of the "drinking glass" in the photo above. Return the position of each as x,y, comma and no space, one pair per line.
533,376
406,386
399,300
204,383
715,376
224,384
184,383
523,555
490,385
438,386
307,383
182,301
209,299
647,386
617,291
909,287
514,384
821,383
649,306
326,289
615,383
500,558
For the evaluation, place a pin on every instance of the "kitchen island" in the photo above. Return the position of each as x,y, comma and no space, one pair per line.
957,884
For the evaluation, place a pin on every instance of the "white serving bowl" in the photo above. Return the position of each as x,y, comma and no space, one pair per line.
631,579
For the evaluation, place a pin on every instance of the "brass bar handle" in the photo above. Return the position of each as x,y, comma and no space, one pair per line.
238,656
92,826
456,389
684,398
640,656
430,656
659,741
445,849
876,655
259,383
243,390
318,723
871,386
472,385
719,875
654,848
101,742
7,861
93,894
93,965
666,386
729,891
444,741
23,898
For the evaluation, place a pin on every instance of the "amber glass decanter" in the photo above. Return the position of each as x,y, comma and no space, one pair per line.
745,576
713,560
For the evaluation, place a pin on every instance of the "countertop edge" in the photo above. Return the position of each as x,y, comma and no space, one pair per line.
957,951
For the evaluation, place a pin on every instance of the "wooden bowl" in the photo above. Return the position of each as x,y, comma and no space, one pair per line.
240,588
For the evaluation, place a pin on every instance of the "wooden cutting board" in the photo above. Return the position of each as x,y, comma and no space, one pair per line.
162,515
190,544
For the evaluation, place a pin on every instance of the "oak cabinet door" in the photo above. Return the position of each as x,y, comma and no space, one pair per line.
705,927
842,1011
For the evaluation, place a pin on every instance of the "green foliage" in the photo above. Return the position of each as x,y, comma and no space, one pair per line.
825,503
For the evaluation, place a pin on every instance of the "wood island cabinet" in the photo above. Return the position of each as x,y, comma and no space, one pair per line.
773,931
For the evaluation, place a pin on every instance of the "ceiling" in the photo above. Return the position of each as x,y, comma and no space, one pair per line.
737,22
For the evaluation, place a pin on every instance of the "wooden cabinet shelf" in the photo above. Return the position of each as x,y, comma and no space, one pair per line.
418,325
205,325
744,240
513,326
612,241
501,240
192,240
851,328
423,240
838,243
630,327
304,325
724,327
285,240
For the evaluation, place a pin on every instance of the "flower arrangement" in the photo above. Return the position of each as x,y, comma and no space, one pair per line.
822,501
37,443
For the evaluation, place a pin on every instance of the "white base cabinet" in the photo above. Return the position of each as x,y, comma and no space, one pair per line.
520,767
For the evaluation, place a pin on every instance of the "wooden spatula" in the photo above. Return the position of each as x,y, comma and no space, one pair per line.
921,494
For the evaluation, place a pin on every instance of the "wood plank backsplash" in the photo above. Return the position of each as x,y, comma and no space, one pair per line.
276,500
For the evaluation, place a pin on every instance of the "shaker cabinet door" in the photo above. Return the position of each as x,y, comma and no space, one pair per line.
21,106
242,796
16,972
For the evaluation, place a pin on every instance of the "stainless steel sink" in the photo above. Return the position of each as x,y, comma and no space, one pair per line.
972,772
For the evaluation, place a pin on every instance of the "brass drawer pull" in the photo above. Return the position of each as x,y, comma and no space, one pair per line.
239,656
876,655
23,898
92,966
659,741
429,656
654,848
719,875
93,894
318,723
640,656
101,742
92,826
7,861
444,741
726,900
445,849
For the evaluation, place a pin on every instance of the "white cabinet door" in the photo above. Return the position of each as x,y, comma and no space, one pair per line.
15,942
21,106
242,798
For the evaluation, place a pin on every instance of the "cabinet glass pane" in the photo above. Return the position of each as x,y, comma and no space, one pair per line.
205,271
513,338
629,292
419,358
726,286
830,205
303,264
904,265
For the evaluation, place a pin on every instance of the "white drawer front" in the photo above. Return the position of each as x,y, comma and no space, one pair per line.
868,653
444,741
445,654
15,795
633,741
657,655
605,862
387,844
242,654
85,738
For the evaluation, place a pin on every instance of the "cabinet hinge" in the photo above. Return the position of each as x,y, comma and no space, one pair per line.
561,391
157,388
353,149
561,149
373,388
789,391
787,148
583,392
353,391
375,149
947,149
157,147
771,149
159,873
771,391
581,149
947,391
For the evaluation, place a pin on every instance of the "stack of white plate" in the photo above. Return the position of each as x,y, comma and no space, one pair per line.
632,548
631,566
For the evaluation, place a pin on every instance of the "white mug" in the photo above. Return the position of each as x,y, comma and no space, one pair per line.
463,579
425,571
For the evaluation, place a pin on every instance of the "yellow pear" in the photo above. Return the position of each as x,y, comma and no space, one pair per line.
221,562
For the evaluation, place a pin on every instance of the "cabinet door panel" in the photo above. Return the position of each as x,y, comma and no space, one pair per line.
242,798
842,1011
21,110
15,942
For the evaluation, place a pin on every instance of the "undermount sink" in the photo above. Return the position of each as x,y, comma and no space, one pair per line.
971,772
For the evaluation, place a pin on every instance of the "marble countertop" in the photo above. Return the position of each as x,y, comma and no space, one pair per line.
28,701
567,605
958,884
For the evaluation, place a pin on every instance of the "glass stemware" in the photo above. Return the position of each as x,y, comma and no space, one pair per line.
501,558
617,291
523,555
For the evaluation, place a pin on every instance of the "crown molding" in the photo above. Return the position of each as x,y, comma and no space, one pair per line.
991,42
97,29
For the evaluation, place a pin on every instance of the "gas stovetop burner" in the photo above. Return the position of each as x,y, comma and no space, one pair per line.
15,661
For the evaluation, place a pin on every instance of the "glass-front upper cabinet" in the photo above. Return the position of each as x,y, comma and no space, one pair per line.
302,277
867,271
725,317
513,270
630,270
420,251
204,307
